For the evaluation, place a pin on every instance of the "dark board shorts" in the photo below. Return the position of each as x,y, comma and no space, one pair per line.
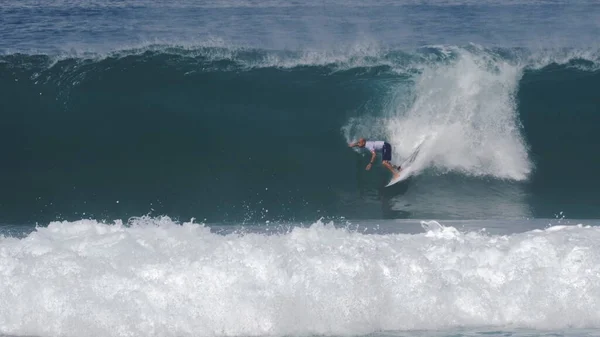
387,152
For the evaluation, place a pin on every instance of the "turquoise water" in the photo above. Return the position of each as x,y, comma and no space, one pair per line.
247,135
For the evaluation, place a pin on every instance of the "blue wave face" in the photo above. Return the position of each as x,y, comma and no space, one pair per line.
249,135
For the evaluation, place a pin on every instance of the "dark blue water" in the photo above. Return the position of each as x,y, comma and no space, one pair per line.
74,26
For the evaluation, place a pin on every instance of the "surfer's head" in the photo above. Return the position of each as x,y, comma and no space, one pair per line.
361,142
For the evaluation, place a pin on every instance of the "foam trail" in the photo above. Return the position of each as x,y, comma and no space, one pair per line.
159,278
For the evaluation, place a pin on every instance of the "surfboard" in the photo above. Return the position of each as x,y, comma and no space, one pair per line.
404,173
406,170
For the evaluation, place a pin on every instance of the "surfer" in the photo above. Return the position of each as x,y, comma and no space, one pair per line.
378,146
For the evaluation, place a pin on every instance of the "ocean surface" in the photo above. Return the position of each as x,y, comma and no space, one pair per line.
181,168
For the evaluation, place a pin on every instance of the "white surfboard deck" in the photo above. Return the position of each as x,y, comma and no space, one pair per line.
404,173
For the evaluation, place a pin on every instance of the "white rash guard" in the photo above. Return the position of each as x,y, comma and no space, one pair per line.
374,145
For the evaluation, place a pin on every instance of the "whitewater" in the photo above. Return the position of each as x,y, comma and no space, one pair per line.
463,111
156,277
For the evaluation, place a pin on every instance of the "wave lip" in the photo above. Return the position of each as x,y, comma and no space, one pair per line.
155,277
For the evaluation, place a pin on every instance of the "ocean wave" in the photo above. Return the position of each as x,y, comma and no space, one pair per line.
482,111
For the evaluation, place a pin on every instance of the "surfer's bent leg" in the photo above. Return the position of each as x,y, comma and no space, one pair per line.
390,167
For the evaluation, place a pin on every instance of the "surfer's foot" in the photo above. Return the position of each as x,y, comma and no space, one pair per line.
396,175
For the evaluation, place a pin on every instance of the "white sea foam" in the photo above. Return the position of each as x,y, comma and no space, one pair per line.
464,108
158,278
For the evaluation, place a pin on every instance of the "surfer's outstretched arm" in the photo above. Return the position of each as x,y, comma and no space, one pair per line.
373,156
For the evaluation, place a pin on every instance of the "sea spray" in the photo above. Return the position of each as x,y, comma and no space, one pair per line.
462,111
